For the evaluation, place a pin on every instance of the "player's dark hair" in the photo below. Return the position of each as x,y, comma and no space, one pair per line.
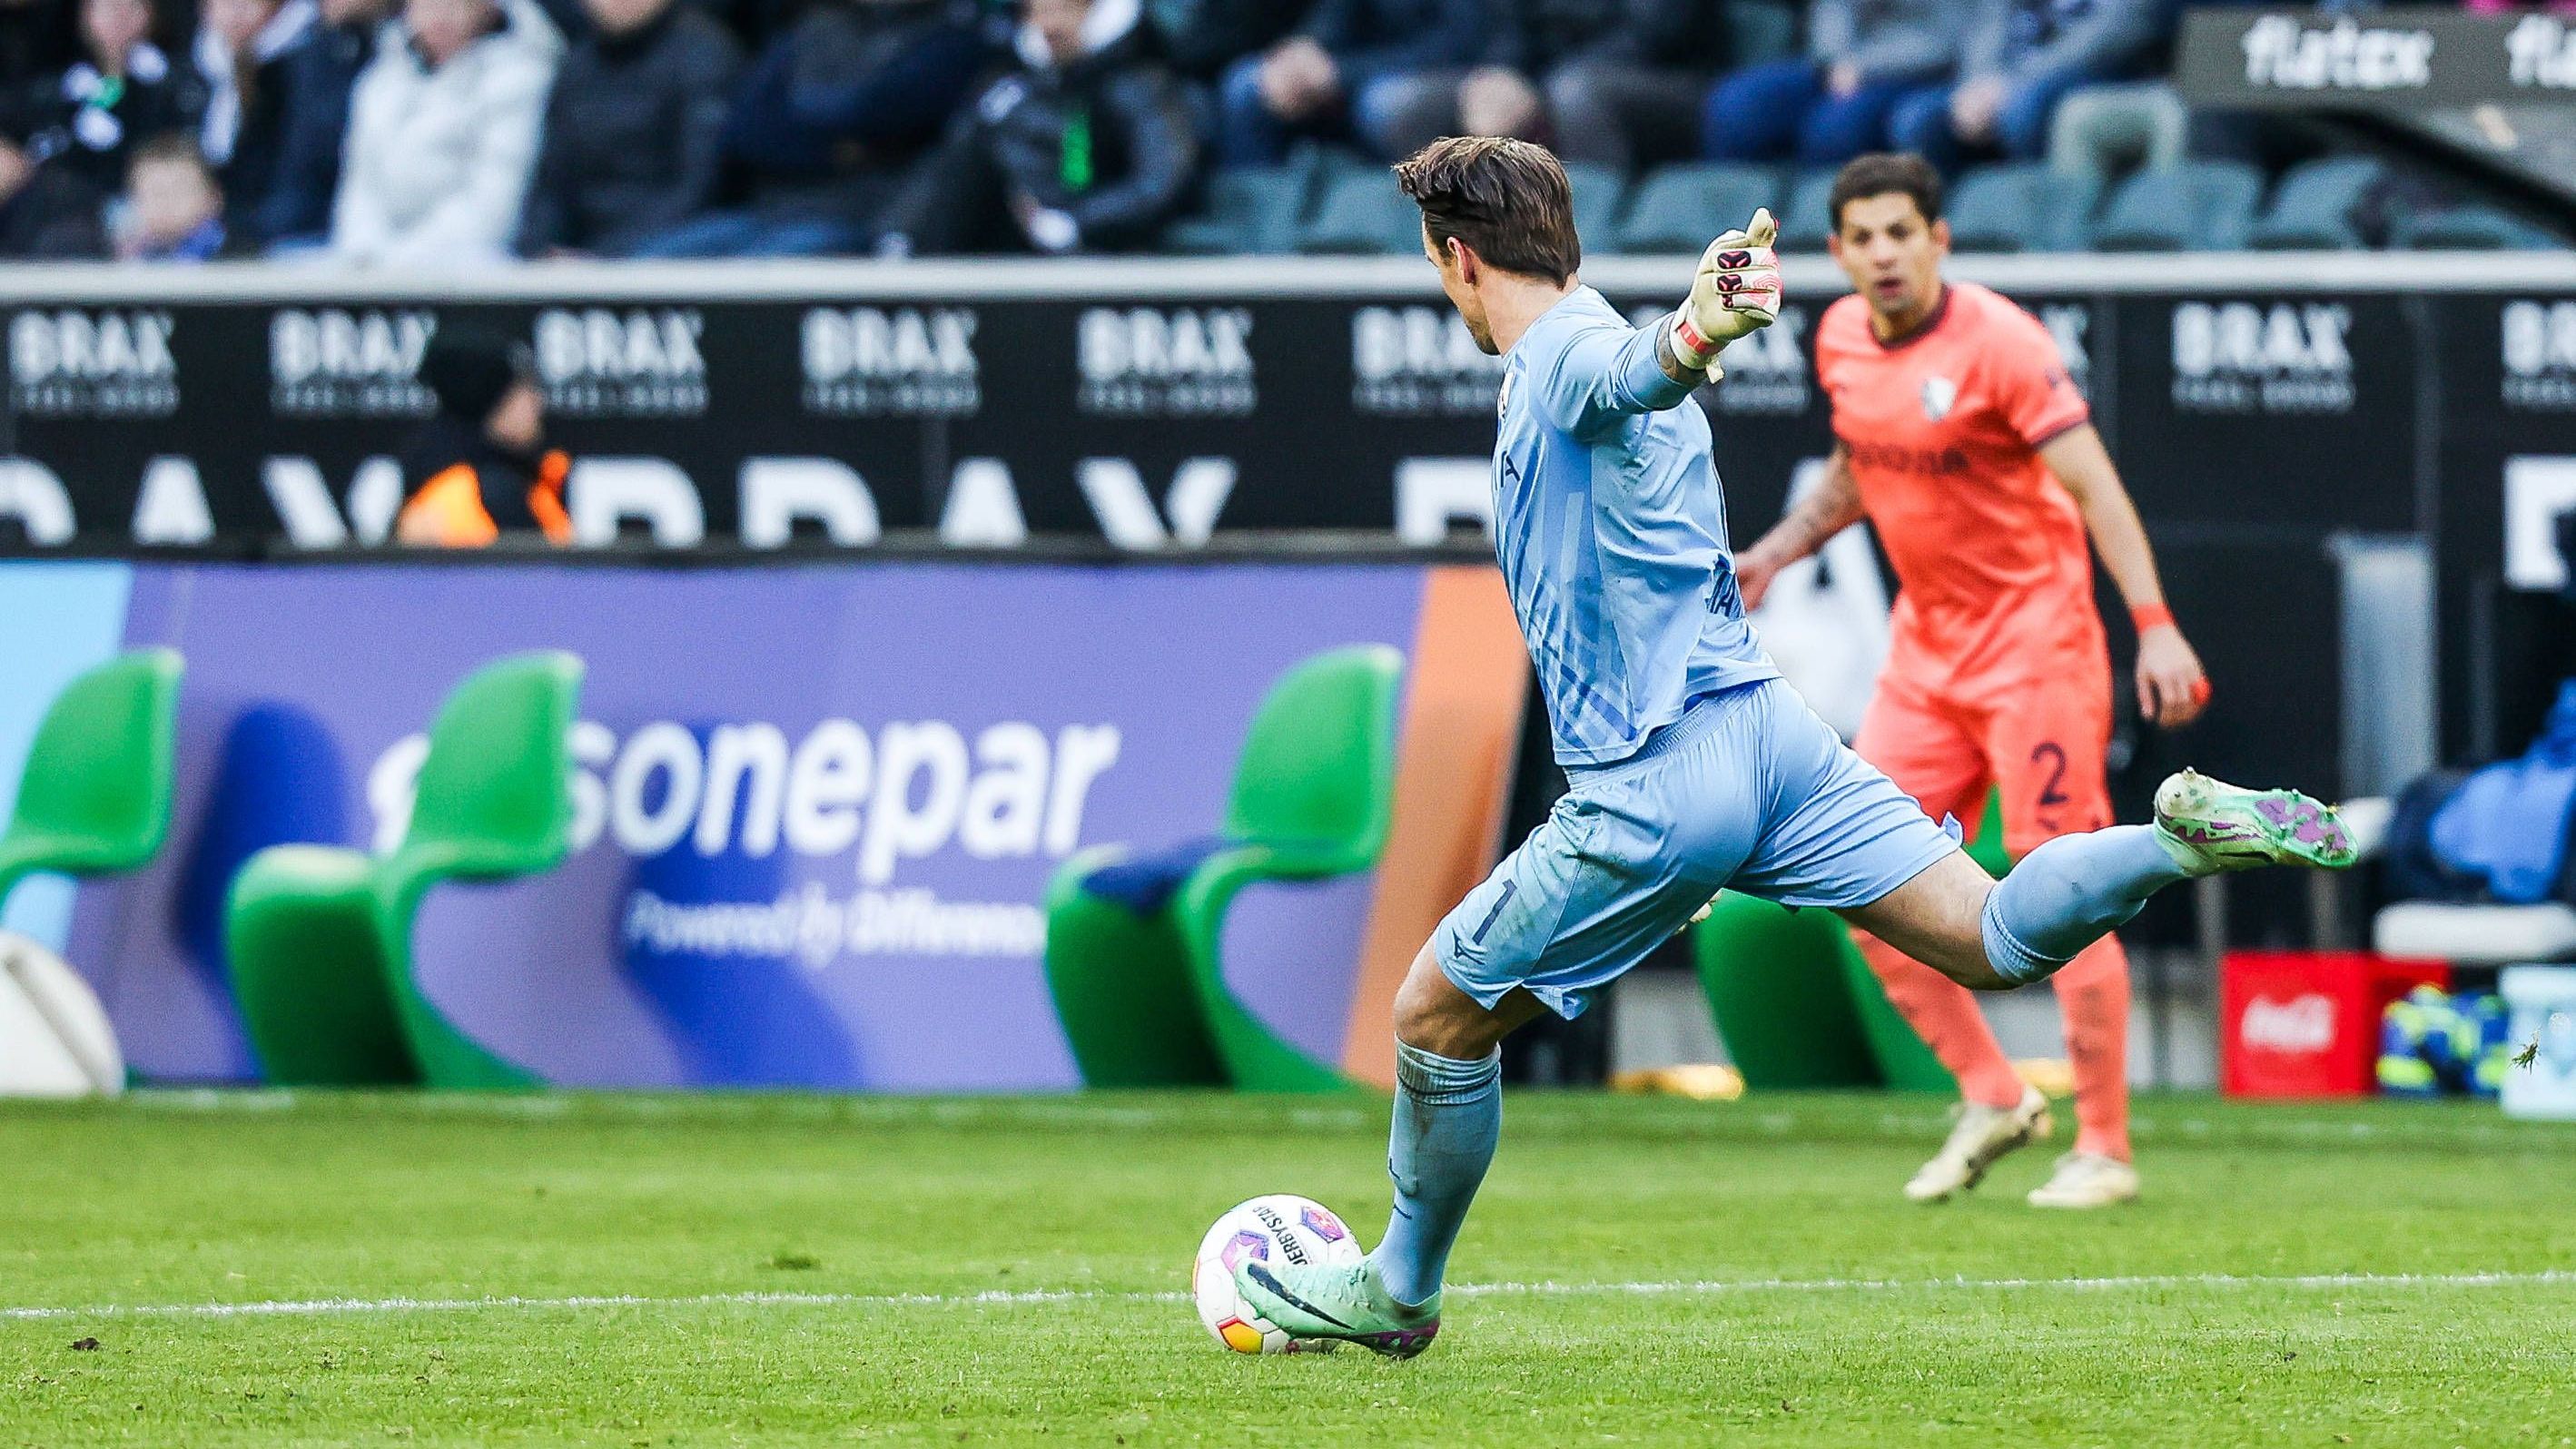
1507,200
1887,173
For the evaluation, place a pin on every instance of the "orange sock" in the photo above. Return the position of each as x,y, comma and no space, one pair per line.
1945,1015
2093,994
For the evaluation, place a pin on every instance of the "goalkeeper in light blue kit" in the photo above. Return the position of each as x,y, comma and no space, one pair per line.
1692,766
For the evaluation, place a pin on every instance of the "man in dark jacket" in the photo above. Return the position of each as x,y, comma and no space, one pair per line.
1346,71
1601,80
244,53
827,120
634,133
1088,148
319,75
477,469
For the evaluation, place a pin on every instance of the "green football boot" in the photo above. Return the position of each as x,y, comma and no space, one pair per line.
2208,826
1343,1301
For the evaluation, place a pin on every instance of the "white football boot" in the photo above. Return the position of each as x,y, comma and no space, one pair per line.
2087,1180
1981,1139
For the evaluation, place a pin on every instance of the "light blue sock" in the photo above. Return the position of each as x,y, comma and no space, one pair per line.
2070,893
1448,1115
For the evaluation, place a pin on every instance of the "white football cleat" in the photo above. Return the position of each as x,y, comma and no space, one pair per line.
2087,1180
1981,1139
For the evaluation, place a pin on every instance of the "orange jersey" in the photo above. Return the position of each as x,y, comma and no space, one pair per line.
1943,431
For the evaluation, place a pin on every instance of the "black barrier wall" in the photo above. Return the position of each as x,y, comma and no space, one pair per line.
2258,405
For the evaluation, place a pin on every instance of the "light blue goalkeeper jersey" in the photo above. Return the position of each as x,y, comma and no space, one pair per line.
1612,534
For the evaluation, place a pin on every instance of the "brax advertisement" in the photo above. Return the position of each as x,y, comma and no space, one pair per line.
1147,423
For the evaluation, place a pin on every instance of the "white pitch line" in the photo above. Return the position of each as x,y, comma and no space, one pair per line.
298,1307
2542,1278
1700,1288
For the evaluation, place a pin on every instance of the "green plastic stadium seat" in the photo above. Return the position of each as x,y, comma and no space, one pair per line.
1250,209
1905,1063
1681,208
2022,207
2313,208
319,938
1598,190
1362,213
2473,228
1143,999
1808,218
305,955
1798,1006
95,793
1779,985
2198,206
1122,988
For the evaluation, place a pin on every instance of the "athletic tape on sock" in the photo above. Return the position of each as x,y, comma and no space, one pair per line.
2013,961
1438,1080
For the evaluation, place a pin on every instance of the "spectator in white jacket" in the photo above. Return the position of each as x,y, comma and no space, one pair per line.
443,135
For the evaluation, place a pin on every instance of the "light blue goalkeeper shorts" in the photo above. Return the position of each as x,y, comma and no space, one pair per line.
1747,791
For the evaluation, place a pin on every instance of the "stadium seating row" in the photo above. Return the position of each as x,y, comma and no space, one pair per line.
1337,204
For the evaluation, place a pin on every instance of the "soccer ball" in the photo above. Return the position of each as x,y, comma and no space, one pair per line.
1280,1228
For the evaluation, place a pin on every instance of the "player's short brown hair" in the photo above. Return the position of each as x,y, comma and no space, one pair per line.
1887,173
1507,200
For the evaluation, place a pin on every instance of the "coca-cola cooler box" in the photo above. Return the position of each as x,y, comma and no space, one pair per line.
2306,1023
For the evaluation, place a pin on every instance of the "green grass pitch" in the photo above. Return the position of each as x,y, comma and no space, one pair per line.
650,1270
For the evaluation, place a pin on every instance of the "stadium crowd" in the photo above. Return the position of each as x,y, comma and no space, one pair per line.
420,133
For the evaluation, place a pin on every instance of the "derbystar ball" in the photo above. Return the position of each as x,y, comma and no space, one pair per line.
1281,1228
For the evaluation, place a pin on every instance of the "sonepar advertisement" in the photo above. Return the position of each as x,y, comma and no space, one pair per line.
815,811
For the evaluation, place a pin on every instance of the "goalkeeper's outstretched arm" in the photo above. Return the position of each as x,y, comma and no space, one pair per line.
1610,372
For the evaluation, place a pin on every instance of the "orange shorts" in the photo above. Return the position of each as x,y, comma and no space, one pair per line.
2042,742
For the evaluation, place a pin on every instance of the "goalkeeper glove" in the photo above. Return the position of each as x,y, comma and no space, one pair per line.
1736,292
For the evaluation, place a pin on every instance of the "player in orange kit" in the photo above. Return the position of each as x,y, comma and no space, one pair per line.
1959,435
